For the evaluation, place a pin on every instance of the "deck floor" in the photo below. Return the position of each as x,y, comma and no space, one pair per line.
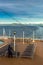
21,61
37,60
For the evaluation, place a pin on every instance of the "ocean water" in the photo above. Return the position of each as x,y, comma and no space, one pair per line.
28,31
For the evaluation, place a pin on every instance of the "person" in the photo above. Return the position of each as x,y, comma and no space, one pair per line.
10,54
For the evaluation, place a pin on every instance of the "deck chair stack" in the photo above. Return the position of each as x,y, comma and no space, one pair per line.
3,50
29,51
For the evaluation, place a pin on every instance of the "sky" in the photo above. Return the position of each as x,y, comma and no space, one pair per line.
21,11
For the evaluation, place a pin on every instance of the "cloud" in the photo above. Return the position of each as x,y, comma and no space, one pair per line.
21,8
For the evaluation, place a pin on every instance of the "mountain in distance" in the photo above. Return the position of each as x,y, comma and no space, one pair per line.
20,24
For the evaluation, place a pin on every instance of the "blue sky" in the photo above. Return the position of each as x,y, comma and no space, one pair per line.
21,11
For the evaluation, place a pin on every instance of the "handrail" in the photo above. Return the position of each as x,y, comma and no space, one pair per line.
4,45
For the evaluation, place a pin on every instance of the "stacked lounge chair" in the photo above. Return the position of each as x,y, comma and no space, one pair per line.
29,51
3,50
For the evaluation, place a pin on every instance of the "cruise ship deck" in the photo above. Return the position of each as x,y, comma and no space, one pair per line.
36,60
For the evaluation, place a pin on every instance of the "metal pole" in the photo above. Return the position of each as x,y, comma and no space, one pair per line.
14,42
33,36
23,37
9,33
4,32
